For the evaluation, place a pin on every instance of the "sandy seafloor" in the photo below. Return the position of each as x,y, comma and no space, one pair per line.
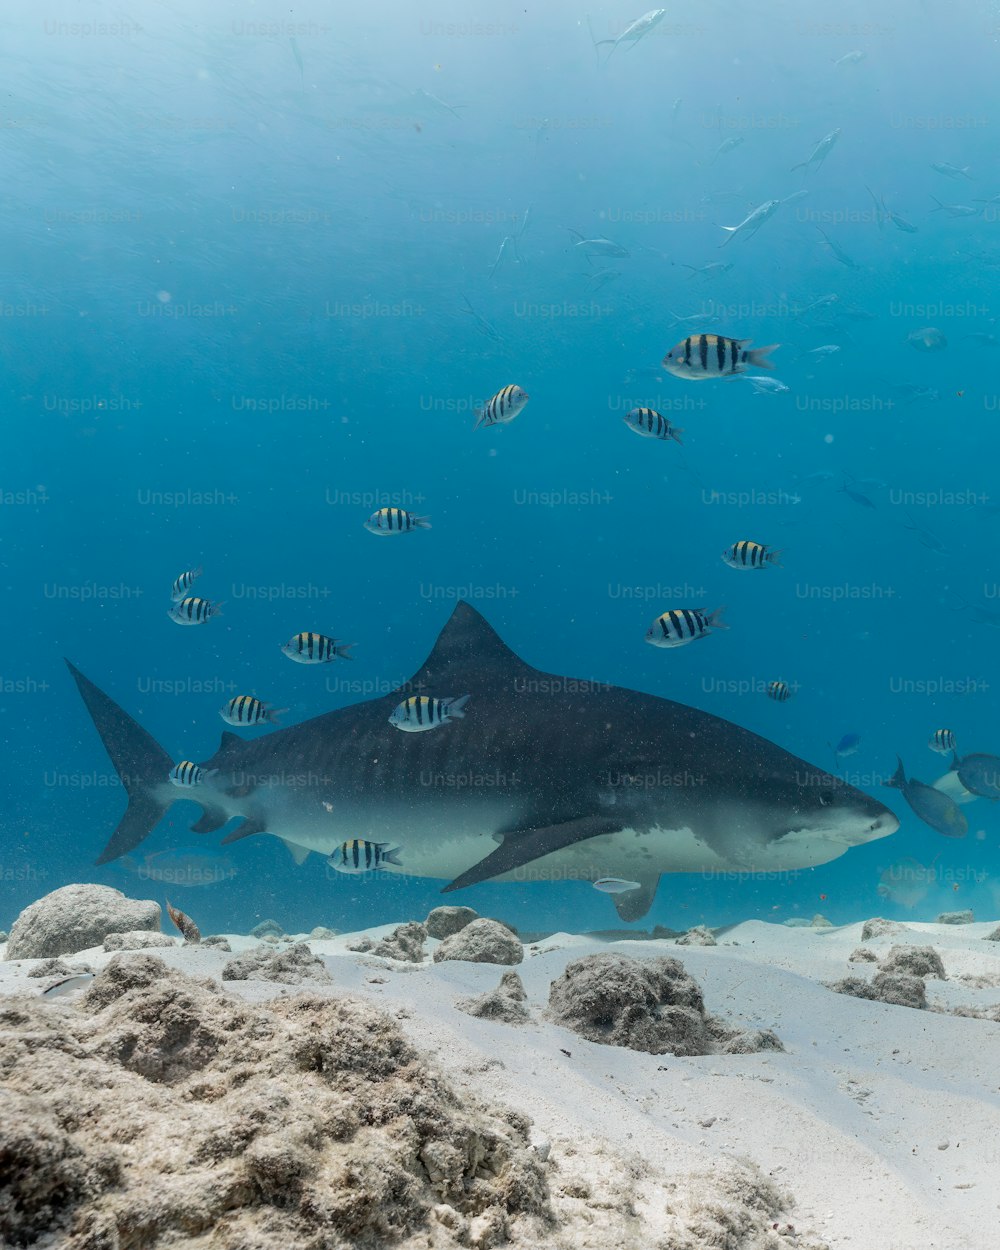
883,1122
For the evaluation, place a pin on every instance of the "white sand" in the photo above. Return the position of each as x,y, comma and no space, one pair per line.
882,1121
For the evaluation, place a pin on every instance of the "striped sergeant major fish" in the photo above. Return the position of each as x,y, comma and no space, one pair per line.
187,773
778,691
703,356
750,555
420,712
753,221
395,521
184,583
942,741
359,856
194,611
679,626
651,424
247,710
310,648
505,405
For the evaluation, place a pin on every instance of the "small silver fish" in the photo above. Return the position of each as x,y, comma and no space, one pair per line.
634,31
753,221
599,246
952,171
766,386
927,339
820,152
68,985
615,885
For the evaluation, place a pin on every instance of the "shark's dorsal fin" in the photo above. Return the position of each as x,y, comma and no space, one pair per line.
468,653
229,739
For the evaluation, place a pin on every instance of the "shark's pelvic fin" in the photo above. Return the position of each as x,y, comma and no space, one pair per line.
521,846
249,827
214,818
140,761
635,903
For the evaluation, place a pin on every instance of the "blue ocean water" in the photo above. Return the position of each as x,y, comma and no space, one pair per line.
252,291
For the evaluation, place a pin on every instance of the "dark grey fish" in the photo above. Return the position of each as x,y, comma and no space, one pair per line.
980,774
930,805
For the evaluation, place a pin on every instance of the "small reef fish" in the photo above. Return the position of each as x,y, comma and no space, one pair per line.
949,784
727,145
360,856
955,210
505,405
68,985
651,424
679,626
614,885
884,213
184,866
194,611
420,712
395,521
820,152
187,773
184,583
715,270
943,741
927,339
185,925
750,555
247,710
851,58
766,386
779,691
932,806
753,221
310,648
703,356
838,251
848,745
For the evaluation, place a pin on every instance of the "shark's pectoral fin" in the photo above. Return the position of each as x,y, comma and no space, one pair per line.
635,904
521,846
246,830
299,853
213,818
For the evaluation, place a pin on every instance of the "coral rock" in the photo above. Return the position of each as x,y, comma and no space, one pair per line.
877,927
698,936
75,918
405,942
505,1003
290,966
137,940
918,961
956,917
267,928
442,922
482,942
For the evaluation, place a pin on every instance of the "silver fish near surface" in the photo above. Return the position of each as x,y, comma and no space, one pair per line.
184,583
952,171
421,712
700,357
649,423
932,806
820,152
599,246
504,406
194,611
766,386
753,221
516,792
634,31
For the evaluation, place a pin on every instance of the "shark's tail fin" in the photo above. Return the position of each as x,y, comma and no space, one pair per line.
141,763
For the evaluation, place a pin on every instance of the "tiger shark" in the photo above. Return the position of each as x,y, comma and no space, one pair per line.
546,778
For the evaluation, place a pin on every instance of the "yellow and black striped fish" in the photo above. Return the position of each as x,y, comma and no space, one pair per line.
703,356
943,741
184,583
247,710
679,626
395,521
420,712
310,648
359,856
750,555
505,405
194,611
651,424
778,691
187,773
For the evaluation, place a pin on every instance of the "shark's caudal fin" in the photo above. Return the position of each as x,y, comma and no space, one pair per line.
141,763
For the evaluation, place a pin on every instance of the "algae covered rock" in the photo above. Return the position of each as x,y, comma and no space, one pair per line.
290,966
956,917
76,917
877,927
651,1005
918,961
482,942
698,936
899,989
442,922
505,1003
405,942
